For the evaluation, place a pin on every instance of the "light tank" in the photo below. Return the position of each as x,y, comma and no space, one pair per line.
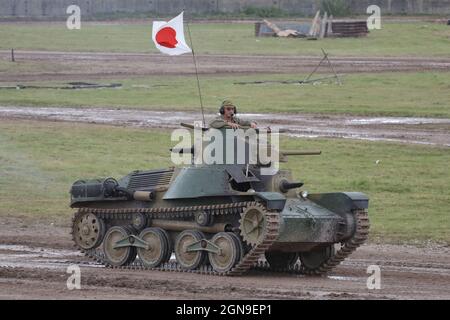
223,219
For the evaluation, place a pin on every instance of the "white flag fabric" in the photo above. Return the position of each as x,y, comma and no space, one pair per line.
169,36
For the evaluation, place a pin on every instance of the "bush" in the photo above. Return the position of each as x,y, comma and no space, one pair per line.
338,8
263,12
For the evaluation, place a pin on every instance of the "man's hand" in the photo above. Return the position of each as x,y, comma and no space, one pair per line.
233,125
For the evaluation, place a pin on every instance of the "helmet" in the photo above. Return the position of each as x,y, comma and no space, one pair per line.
227,103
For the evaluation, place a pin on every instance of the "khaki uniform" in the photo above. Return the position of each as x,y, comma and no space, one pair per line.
219,122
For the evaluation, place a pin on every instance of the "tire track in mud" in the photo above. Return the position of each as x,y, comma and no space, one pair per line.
96,65
12,256
346,282
426,131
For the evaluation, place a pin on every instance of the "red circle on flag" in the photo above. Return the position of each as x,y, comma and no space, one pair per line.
167,37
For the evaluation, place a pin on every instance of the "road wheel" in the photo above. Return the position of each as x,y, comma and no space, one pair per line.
193,259
315,258
158,251
231,251
281,260
118,256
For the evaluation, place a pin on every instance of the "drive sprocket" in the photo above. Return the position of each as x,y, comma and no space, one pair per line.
253,224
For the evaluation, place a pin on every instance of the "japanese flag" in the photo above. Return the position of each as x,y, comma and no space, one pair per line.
169,36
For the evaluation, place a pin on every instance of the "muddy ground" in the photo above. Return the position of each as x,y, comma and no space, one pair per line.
89,65
35,254
399,129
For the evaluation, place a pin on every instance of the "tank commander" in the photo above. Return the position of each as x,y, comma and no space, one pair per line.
228,119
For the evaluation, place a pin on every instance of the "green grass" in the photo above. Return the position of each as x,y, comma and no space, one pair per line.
395,39
408,188
387,94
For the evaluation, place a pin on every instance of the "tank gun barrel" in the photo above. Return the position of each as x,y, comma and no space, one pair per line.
190,126
268,129
285,185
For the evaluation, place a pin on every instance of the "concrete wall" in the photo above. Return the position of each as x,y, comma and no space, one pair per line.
404,6
57,8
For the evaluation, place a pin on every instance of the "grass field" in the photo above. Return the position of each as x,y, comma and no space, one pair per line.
394,39
387,94
408,187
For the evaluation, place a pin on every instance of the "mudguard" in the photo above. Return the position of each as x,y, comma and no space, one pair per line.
341,202
273,200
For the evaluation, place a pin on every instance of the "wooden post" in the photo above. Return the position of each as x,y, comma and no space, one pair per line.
330,25
317,29
323,26
12,56
313,25
272,26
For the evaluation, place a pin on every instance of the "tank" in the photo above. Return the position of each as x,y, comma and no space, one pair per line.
223,219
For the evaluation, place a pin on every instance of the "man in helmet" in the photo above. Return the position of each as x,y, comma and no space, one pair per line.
228,119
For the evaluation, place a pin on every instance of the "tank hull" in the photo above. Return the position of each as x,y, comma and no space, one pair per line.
229,206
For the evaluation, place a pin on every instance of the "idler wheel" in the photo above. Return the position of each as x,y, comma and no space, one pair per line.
88,231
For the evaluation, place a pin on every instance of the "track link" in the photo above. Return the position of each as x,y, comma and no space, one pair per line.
347,248
249,260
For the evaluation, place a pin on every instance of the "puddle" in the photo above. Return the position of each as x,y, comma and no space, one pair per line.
405,266
343,278
43,252
397,120
67,86
36,257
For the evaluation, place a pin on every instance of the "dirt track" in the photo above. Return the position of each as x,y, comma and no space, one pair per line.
89,65
428,131
34,254
33,265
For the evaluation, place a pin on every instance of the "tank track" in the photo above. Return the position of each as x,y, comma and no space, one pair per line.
347,248
249,260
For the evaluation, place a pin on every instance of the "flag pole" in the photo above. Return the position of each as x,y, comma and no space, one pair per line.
196,74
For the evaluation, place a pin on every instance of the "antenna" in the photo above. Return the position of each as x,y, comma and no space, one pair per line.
196,74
